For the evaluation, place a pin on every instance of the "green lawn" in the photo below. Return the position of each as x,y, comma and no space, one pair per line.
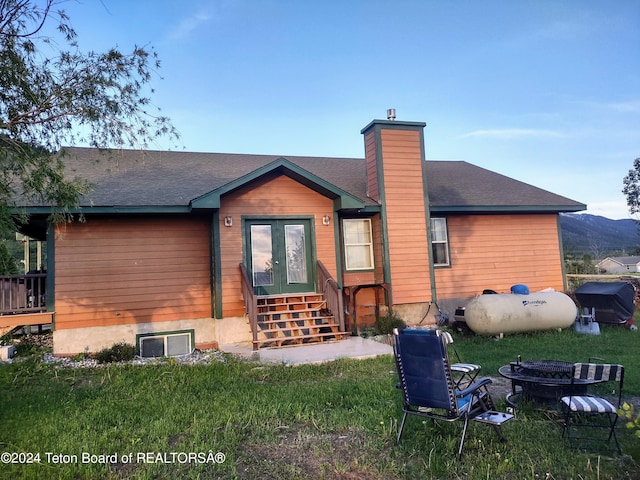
334,421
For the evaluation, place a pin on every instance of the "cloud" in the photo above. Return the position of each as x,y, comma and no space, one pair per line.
512,133
629,107
189,25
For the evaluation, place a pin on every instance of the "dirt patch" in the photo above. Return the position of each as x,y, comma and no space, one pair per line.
301,452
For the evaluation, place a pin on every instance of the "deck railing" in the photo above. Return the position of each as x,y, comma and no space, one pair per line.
23,294
332,294
250,303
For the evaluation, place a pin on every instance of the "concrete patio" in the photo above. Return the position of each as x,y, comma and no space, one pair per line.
352,347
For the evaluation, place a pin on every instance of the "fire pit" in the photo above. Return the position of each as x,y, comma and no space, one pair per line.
541,380
543,368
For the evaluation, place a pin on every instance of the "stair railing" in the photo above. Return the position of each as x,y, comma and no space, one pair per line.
250,303
332,294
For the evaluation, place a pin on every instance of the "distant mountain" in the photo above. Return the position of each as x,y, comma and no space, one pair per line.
599,236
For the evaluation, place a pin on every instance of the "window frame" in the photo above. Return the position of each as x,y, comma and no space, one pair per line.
369,244
165,335
444,242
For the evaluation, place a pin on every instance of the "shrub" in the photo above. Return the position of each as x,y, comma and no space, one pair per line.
119,352
385,325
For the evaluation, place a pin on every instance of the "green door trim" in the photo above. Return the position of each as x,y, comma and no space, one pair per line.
276,257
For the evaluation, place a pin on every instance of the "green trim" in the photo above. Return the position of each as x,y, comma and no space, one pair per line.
276,221
393,124
110,210
560,243
432,272
51,272
506,209
370,210
342,199
337,240
140,336
386,264
216,267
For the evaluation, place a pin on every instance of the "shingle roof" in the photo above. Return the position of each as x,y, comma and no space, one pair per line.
131,178
634,260
461,185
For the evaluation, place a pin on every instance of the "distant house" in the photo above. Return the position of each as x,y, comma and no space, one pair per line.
180,250
619,265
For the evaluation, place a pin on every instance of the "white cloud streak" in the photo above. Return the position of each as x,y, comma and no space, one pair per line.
189,25
512,133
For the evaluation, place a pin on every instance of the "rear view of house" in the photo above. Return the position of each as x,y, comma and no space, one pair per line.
185,250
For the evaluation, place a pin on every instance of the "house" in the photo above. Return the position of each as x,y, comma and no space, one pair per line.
619,265
177,250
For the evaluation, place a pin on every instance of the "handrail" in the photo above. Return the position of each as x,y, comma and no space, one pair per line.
332,294
250,303
23,293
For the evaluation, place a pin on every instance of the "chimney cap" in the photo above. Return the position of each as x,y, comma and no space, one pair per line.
391,114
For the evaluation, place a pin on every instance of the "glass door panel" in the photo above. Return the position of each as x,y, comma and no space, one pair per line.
295,247
261,255
280,256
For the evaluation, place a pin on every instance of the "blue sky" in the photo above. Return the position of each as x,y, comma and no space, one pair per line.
547,92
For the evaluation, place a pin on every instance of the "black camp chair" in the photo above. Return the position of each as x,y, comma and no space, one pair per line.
429,391
590,411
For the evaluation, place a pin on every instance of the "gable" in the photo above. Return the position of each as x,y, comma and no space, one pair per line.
341,199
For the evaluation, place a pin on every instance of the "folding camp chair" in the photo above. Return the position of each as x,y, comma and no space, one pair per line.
464,373
589,411
428,389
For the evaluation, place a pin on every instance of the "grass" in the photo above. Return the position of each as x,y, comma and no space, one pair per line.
334,421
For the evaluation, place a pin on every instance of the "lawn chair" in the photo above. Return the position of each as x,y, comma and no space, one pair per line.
589,411
464,374
429,391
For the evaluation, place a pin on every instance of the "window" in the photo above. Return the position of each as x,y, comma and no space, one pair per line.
168,344
439,242
358,244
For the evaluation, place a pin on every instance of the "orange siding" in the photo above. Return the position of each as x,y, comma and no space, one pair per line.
372,171
498,251
116,272
272,197
405,213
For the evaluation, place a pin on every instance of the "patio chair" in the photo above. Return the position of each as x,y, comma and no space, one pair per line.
464,373
590,411
429,391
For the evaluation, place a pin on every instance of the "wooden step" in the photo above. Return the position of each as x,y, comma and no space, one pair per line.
262,318
301,339
298,331
295,319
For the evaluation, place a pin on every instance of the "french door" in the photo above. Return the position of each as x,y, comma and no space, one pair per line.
279,256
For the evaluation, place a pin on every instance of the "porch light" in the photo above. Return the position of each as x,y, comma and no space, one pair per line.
228,221
326,220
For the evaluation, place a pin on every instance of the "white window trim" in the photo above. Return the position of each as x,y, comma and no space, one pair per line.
367,244
445,242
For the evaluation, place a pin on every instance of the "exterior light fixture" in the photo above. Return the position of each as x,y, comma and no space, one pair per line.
228,221
326,220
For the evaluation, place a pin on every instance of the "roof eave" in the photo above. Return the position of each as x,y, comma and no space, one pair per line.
149,209
506,208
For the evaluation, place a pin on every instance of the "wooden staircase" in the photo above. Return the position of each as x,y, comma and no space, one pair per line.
295,319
